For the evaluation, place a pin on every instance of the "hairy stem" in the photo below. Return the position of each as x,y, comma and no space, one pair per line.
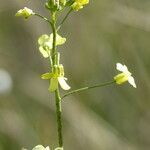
54,37
59,117
57,93
86,88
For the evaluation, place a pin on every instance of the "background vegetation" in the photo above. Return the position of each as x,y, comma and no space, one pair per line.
103,33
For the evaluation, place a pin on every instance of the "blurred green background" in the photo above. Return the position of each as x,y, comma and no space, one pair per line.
100,35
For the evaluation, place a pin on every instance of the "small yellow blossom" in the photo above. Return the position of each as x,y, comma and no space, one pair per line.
124,76
78,4
46,43
25,12
40,147
56,76
59,148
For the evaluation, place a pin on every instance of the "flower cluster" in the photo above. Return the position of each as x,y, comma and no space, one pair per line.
57,74
57,5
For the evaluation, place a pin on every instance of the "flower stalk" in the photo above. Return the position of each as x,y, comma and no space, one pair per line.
57,93
48,48
68,13
87,88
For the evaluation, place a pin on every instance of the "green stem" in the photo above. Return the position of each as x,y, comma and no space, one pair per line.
64,19
59,117
42,17
54,37
57,93
86,88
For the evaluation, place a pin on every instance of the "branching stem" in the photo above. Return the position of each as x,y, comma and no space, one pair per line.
66,16
42,17
87,88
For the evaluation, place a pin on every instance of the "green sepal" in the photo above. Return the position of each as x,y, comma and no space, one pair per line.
53,84
47,76
69,3
48,6
121,78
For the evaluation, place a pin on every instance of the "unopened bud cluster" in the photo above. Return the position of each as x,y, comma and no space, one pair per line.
57,5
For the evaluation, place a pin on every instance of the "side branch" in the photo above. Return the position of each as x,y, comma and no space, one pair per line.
86,88
64,19
44,18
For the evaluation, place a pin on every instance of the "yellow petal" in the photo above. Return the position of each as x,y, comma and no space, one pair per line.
59,40
122,68
131,81
44,52
43,38
63,83
83,2
40,147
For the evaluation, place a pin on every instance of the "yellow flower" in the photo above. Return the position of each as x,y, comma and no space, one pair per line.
78,4
124,76
25,12
46,43
56,76
59,148
40,147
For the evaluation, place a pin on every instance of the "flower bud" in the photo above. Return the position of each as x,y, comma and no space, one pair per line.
52,5
78,4
62,3
58,70
121,78
25,12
